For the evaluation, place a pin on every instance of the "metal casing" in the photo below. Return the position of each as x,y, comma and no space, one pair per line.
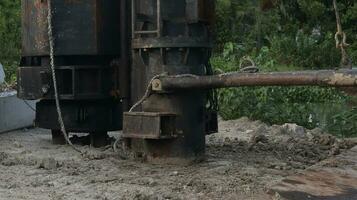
91,63
81,27
80,116
171,37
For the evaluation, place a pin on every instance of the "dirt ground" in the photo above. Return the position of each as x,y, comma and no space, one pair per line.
242,161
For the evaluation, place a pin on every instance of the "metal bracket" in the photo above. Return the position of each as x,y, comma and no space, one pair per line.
157,31
149,125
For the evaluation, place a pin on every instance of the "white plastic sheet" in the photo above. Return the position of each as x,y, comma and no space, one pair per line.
2,74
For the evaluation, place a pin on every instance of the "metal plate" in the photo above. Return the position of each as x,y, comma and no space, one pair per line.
211,122
80,116
181,42
32,82
74,82
147,125
81,27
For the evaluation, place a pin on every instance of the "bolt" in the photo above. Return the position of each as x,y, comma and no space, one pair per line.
157,85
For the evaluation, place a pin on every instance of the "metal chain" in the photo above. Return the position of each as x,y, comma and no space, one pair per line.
53,70
341,38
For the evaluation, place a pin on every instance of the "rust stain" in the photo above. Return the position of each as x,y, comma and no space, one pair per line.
41,38
40,3
342,79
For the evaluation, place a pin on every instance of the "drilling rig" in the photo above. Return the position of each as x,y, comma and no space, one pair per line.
90,56
141,66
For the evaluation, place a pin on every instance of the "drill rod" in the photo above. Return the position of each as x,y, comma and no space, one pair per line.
328,78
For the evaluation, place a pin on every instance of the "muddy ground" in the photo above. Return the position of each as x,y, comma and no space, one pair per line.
242,161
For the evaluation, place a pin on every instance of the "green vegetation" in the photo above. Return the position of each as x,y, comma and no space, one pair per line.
296,32
279,35
10,39
285,35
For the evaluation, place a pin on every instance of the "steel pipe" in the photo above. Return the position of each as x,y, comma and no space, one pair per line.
330,78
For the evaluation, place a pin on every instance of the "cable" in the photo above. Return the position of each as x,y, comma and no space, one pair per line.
53,70
147,95
28,105
341,43
252,68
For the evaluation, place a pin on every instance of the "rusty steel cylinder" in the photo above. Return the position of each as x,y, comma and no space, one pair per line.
80,27
90,53
171,37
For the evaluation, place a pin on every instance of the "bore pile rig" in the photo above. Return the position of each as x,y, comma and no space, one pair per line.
148,55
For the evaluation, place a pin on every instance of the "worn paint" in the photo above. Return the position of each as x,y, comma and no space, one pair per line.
343,79
91,52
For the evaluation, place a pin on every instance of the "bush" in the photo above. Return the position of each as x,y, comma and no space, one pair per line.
288,35
306,106
305,51
297,32
10,37
310,107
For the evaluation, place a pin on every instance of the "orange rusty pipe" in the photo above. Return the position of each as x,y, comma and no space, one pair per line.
330,78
